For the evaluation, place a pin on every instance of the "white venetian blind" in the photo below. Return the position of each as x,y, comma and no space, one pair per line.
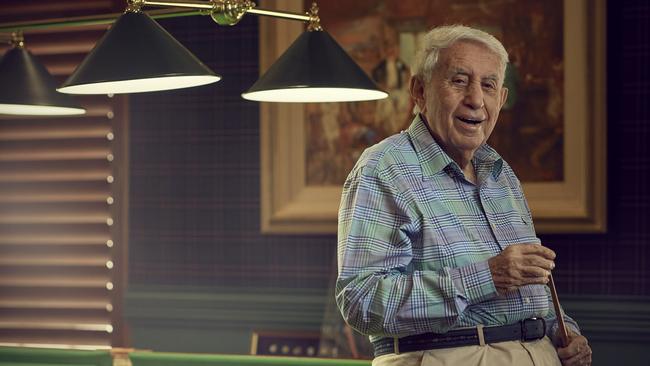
62,209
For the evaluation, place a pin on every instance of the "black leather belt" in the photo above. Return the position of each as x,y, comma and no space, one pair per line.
525,330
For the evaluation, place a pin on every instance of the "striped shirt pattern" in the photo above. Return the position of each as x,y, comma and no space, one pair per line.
414,237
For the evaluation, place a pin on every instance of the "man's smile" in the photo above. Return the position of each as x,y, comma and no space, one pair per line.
470,120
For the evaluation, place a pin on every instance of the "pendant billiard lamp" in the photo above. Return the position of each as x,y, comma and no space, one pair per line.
314,69
137,55
27,88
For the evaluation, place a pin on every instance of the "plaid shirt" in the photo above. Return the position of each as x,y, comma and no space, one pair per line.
414,238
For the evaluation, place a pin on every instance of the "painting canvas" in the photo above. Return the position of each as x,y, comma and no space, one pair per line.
546,131
381,36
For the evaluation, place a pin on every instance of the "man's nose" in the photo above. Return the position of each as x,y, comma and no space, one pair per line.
474,96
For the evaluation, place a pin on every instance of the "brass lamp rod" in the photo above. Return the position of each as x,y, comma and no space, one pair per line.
89,20
224,12
247,6
277,14
181,4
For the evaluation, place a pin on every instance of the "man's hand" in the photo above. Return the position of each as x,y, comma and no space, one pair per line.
577,353
519,265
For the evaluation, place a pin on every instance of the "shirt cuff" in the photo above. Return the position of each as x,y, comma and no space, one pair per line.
474,282
552,328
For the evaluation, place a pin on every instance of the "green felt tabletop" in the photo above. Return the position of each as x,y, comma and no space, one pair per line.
192,359
25,356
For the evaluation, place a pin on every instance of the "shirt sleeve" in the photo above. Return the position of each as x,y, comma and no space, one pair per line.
551,321
377,290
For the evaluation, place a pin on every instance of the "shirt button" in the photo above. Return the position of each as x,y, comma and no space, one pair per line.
526,300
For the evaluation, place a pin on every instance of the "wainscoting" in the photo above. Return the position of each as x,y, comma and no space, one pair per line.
213,320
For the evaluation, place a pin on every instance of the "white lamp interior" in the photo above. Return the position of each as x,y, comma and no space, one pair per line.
39,110
314,95
140,85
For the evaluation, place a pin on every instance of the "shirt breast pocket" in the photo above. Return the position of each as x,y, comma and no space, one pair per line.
520,229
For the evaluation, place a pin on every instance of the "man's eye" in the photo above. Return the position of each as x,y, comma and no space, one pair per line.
459,81
489,86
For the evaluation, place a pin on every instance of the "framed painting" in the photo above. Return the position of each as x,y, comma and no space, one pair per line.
551,130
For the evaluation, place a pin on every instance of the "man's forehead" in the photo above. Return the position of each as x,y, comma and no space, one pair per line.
470,57
470,72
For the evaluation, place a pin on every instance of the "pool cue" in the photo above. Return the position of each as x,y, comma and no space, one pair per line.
559,315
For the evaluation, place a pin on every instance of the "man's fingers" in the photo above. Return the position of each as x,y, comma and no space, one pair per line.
566,353
537,261
535,249
521,264
534,272
577,352
580,359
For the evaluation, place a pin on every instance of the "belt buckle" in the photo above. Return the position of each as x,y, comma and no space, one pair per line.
528,326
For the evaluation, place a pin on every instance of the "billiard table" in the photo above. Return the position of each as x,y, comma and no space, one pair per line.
22,356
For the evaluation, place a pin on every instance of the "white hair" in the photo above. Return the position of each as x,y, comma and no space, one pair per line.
443,37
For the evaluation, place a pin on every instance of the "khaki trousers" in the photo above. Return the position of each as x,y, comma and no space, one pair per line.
515,353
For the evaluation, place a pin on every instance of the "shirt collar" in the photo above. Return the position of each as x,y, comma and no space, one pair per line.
486,158
433,159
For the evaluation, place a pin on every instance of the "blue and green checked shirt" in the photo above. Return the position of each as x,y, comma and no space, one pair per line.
414,237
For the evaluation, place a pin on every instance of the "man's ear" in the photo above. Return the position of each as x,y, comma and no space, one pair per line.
504,96
416,89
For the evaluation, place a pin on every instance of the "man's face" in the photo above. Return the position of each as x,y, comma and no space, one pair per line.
462,100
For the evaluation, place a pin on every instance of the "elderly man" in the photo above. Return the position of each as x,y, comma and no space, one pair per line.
437,254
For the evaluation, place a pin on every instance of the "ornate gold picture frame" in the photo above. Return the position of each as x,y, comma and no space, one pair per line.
577,203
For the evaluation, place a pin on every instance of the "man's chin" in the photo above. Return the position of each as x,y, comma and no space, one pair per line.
469,144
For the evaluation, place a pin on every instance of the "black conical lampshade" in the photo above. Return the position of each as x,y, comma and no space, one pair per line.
314,69
137,55
26,88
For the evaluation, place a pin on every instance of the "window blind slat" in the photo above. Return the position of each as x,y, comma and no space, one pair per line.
54,123
63,43
54,131
54,304
85,149
57,315
23,280
54,235
97,175
29,337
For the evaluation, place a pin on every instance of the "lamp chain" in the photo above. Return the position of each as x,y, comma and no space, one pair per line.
314,19
134,6
17,39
